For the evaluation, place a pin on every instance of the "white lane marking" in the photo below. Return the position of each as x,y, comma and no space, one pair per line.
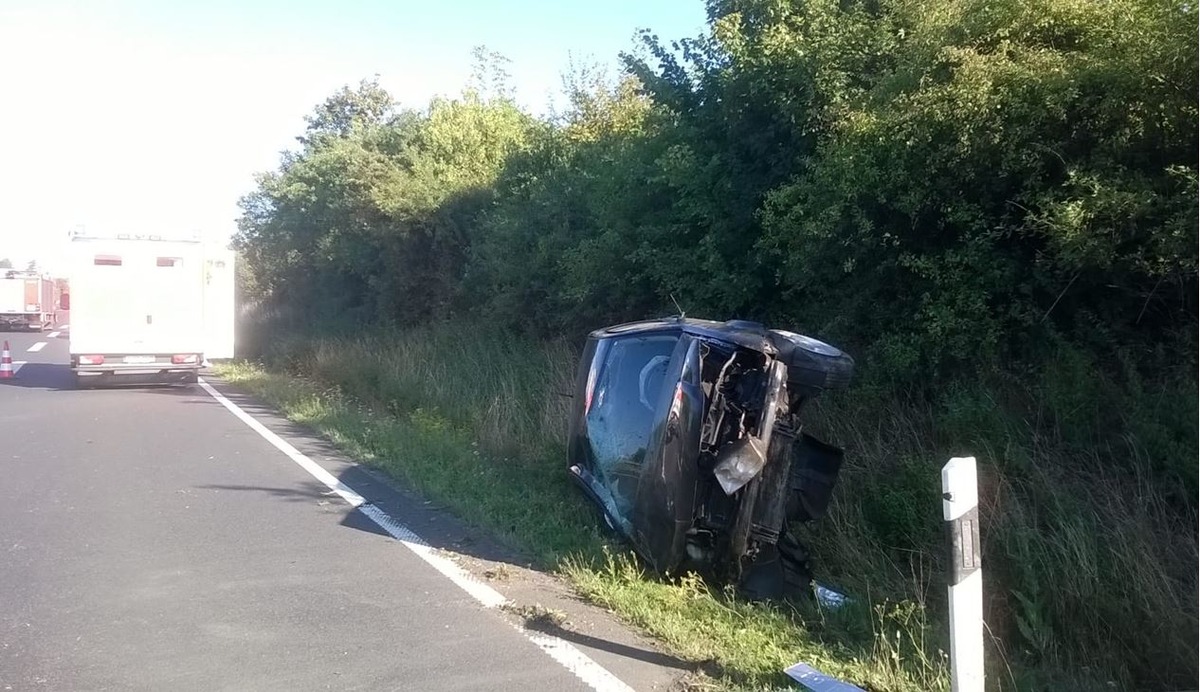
570,657
17,365
489,597
64,327
53,335
37,347
566,654
278,442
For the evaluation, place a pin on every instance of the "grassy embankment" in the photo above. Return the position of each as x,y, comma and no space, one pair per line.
477,422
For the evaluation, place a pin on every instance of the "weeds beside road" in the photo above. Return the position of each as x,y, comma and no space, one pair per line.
478,423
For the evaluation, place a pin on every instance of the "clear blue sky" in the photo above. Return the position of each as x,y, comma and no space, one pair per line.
149,115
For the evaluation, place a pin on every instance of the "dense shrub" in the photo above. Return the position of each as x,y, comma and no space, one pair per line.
993,205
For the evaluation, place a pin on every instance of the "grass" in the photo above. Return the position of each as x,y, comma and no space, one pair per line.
422,447
1091,557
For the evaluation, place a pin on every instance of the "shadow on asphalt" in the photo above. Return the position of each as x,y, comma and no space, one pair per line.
58,377
435,525
646,655
50,376
309,492
438,528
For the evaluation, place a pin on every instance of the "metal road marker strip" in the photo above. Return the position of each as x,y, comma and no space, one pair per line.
816,681
566,654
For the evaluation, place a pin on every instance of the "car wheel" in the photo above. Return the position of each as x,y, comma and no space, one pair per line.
812,364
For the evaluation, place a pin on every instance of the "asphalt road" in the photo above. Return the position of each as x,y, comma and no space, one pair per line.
150,540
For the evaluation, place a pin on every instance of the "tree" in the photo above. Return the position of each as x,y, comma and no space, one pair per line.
372,216
5,263
349,109
490,79
956,166
960,192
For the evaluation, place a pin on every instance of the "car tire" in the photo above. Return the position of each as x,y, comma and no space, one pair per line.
812,364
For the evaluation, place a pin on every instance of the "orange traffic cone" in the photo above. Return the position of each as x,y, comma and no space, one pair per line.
6,368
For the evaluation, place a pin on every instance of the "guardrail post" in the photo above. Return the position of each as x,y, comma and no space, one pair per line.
960,510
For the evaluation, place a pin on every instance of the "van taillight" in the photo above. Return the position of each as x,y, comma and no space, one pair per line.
185,359
91,360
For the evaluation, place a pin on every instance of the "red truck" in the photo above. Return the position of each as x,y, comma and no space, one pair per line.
27,300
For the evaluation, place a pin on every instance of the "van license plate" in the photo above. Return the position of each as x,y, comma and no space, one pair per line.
139,359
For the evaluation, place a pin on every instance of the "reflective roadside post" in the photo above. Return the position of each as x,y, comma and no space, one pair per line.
960,510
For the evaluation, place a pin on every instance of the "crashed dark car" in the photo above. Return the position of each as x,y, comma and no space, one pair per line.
686,434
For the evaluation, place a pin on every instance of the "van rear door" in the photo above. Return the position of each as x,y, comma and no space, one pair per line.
106,316
171,300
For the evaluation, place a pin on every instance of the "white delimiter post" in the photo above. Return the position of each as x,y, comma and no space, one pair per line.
960,509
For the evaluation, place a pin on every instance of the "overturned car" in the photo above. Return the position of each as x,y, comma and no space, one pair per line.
686,434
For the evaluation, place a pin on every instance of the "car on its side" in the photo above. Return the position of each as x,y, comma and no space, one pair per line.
687,435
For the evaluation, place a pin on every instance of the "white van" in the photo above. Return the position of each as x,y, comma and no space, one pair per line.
148,308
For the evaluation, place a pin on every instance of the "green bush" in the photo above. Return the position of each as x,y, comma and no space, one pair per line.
992,205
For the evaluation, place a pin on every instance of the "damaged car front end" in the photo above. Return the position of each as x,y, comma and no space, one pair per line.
686,434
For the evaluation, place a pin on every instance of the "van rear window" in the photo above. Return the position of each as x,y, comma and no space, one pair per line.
107,261
170,261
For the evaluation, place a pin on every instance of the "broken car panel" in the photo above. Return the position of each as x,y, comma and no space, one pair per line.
686,434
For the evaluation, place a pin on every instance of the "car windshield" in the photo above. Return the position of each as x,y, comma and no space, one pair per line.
621,415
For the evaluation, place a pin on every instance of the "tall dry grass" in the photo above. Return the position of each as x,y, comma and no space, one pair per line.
1090,550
